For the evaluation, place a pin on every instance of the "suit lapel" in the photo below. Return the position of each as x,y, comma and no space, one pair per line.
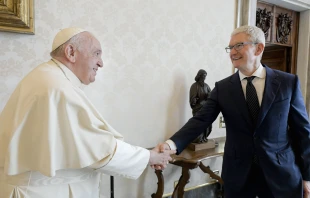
238,96
272,85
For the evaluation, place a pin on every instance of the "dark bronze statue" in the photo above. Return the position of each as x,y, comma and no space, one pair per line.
198,96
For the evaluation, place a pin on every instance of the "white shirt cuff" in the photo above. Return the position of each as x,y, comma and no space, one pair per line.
171,144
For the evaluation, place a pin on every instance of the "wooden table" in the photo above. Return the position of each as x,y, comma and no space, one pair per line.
189,159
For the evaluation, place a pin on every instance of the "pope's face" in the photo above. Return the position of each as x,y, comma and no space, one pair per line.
245,57
88,59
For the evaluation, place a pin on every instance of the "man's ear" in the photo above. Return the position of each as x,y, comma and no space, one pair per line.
70,53
259,49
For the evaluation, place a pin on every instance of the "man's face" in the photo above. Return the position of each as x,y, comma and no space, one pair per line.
88,59
245,57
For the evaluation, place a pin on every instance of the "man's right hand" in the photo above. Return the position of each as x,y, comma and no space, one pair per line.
160,156
163,147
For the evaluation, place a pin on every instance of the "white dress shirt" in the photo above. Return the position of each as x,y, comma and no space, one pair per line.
258,82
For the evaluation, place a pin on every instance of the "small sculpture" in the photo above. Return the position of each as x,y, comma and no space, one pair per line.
264,20
284,28
199,93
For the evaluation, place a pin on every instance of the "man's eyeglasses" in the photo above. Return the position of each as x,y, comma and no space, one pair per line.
238,46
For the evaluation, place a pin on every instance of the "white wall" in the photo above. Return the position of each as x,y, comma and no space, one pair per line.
152,50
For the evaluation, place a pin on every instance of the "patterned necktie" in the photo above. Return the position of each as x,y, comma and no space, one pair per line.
252,100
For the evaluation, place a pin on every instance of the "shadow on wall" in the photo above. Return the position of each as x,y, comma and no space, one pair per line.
142,181
176,111
175,118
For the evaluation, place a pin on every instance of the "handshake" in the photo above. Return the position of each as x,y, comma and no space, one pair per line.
160,156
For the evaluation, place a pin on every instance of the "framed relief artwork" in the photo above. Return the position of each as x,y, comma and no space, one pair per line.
17,16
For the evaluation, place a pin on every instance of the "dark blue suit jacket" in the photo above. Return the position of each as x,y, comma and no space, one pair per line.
280,139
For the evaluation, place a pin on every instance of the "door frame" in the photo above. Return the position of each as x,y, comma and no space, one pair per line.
246,15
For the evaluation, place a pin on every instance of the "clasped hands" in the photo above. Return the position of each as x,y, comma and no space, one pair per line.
160,156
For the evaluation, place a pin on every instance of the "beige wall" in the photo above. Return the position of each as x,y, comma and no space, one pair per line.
152,50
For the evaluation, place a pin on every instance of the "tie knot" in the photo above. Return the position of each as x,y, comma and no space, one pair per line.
249,79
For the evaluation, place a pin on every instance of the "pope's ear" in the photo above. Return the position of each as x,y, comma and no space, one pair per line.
70,53
259,49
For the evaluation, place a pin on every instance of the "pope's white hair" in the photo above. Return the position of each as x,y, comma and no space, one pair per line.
76,41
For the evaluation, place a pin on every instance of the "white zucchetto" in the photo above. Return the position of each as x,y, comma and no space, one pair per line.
64,35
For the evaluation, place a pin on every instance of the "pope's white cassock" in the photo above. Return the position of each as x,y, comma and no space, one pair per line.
54,143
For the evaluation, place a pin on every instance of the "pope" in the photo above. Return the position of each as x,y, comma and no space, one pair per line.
53,141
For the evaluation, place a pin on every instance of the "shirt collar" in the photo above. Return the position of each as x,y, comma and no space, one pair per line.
260,73
69,74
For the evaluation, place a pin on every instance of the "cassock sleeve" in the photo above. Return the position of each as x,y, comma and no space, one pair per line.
128,161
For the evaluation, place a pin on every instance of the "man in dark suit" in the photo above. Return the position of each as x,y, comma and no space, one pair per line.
267,150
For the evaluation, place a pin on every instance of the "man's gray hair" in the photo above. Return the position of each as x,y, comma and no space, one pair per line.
256,35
